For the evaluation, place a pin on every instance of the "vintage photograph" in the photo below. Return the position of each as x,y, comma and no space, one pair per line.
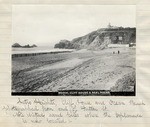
73,50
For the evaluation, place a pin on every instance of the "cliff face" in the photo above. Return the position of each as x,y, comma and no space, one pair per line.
100,39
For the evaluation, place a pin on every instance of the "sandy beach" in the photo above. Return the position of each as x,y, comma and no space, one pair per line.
82,69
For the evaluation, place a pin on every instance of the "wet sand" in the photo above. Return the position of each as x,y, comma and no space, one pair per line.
83,70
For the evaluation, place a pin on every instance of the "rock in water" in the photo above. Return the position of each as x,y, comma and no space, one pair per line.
16,45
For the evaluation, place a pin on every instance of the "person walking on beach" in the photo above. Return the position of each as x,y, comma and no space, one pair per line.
118,51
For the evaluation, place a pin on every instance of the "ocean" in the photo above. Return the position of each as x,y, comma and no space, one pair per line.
37,50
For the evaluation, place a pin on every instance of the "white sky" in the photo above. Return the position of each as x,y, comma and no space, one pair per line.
48,24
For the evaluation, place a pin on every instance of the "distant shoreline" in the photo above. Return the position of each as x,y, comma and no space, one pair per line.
38,53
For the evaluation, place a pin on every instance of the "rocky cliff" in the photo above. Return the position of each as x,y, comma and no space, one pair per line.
100,39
